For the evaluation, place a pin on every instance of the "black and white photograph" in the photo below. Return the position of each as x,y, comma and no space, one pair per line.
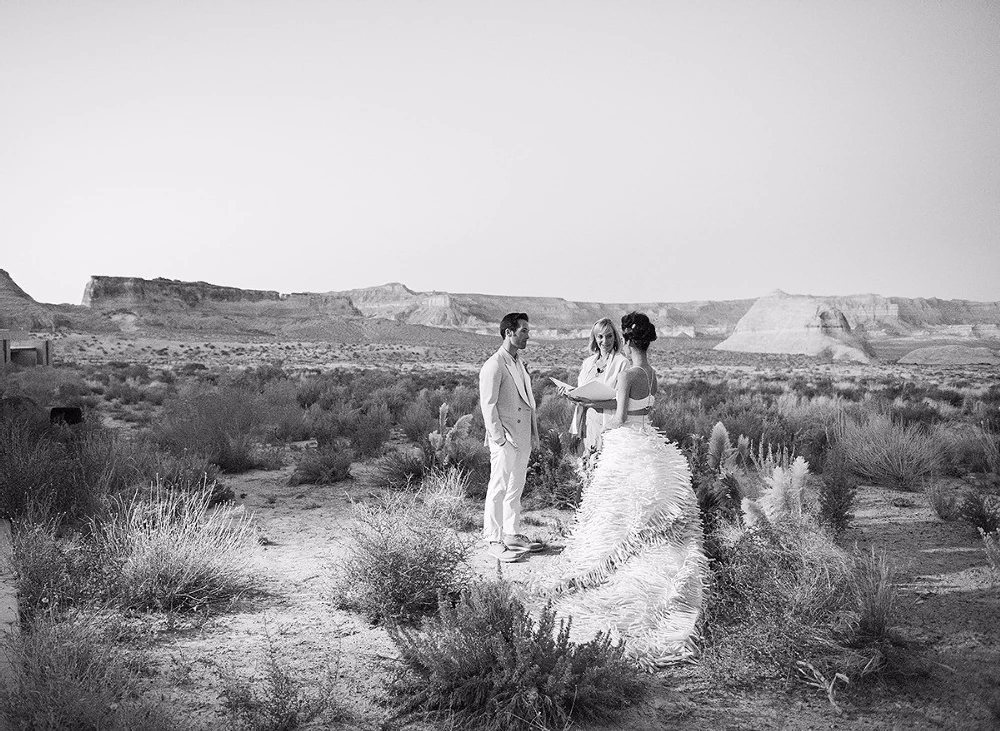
440,365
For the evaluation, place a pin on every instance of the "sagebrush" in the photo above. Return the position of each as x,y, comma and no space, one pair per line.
482,662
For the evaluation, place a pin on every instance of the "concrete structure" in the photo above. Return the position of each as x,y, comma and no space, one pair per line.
18,348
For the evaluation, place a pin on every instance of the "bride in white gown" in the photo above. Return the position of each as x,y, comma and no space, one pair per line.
633,565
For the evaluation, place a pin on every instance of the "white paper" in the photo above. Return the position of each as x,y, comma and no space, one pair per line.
593,391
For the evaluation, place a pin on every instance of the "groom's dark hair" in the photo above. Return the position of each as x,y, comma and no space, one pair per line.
509,322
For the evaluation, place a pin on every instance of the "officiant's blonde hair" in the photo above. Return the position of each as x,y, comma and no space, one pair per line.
600,325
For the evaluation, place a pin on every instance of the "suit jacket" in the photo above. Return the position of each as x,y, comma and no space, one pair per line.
506,401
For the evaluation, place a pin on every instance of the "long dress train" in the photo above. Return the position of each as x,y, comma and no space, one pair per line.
633,565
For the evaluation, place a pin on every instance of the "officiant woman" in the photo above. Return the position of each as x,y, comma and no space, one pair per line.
604,364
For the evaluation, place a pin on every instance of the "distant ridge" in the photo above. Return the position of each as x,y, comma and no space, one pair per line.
394,313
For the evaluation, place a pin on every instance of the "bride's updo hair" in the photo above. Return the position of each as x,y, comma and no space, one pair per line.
637,330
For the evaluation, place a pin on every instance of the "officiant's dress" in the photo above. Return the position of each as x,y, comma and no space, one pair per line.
633,565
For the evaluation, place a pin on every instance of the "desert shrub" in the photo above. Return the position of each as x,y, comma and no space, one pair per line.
184,471
837,491
328,425
554,413
283,420
170,552
69,470
888,453
275,699
261,376
46,386
679,419
235,453
454,446
964,448
715,484
125,392
72,676
400,469
750,416
401,556
484,663
944,501
323,465
981,510
810,421
419,418
914,413
395,397
371,430
552,476
224,424
782,593
53,566
463,400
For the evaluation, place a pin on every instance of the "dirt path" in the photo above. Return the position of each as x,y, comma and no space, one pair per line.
950,610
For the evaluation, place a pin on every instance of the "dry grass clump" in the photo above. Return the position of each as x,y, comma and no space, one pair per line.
483,663
171,552
402,556
74,676
782,593
888,453
443,494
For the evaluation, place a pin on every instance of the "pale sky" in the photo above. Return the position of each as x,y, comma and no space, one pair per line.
613,151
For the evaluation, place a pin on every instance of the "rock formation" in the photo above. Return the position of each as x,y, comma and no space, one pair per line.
18,311
785,323
947,355
839,326
551,317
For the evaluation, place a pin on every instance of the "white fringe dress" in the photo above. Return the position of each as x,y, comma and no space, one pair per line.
633,566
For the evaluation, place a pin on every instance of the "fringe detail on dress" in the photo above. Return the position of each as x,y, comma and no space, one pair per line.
633,565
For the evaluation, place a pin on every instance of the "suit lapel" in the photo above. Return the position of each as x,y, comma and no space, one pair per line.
517,373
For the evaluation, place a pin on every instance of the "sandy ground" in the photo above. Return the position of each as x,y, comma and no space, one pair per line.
949,612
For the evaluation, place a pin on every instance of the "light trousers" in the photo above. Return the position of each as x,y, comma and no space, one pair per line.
508,469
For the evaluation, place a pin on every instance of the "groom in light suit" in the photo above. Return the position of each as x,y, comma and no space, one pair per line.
511,432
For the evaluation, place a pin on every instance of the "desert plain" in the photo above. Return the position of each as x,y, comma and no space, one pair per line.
945,625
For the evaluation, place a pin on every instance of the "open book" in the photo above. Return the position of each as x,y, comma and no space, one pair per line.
594,391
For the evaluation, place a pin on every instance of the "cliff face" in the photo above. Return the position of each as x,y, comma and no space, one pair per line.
784,323
132,293
551,317
108,292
